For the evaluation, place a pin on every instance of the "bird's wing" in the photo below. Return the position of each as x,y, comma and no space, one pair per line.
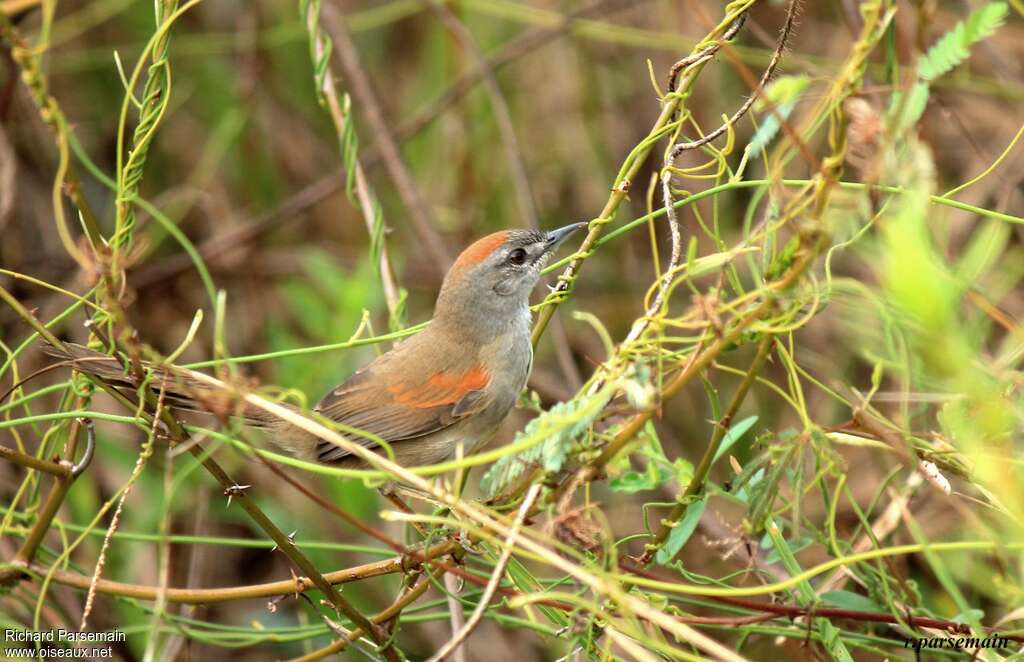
408,408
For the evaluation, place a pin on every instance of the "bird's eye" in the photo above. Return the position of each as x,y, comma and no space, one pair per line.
517,257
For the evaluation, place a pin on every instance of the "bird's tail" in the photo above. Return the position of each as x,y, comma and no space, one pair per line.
180,388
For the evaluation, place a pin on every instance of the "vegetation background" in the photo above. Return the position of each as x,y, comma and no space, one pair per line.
791,403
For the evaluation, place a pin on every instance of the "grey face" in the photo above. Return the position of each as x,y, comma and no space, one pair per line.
514,269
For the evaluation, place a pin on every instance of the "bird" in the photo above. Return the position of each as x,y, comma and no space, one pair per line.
451,384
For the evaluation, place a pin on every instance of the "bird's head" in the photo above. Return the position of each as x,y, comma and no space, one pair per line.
495,275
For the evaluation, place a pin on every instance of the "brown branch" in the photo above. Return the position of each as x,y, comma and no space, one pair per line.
758,89
60,470
391,612
177,435
359,83
795,611
198,596
527,42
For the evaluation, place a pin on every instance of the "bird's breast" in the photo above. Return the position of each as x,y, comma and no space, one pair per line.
511,358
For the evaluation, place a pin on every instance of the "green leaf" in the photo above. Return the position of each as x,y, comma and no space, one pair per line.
684,470
831,636
712,393
634,481
769,129
951,50
682,531
554,432
655,474
783,90
795,546
734,434
955,46
743,494
850,600
910,108
784,93
982,251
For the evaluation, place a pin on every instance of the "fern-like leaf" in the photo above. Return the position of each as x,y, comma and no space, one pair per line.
955,46
548,439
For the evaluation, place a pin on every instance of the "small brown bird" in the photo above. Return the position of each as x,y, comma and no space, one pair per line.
453,382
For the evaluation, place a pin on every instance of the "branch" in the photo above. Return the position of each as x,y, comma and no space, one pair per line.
416,206
769,71
391,612
177,434
527,42
199,596
496,575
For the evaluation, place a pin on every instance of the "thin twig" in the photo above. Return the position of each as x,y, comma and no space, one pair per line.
199,596
338,112
769,71
456,616
496,576
527,42
31,462
416,206
404,600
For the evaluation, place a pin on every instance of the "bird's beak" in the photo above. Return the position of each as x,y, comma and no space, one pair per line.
556,237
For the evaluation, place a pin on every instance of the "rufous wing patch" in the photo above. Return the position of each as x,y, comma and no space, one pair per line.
442,388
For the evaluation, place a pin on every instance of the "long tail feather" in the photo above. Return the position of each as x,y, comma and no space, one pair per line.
183,391
180,389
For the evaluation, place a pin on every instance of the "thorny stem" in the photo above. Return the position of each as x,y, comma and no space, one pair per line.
284,543
769,71
178,435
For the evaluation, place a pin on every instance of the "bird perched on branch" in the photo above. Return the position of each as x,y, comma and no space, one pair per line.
453,382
